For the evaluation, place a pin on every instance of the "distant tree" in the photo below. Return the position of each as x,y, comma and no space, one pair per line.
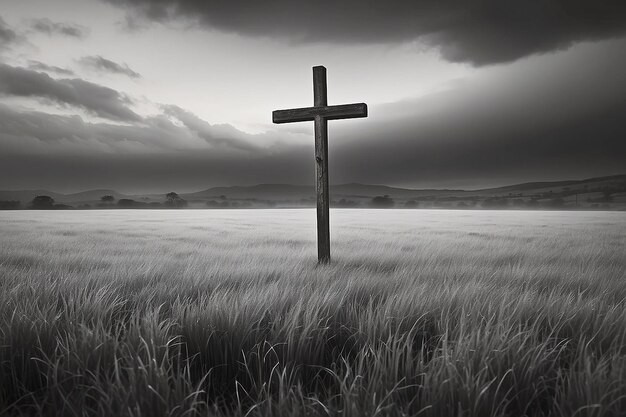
383,201
345,203
126,202
411,204
42,202
172,199
107,199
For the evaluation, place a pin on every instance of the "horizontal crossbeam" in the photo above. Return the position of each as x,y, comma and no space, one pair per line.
342,111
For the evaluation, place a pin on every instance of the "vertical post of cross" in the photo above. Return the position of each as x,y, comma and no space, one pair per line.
321,113
321,166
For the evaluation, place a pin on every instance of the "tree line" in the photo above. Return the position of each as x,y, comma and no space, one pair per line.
545,200
46,202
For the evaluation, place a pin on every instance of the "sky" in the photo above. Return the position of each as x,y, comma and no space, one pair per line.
146,96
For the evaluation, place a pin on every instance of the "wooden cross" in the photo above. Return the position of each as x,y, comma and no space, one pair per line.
320,113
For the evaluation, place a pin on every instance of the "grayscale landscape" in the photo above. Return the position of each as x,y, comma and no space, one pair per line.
295,208
225,312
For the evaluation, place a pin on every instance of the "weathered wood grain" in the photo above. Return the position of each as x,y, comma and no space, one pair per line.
320,113
320,93
321,188
308,114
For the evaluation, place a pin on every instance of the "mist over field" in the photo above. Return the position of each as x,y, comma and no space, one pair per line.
221,312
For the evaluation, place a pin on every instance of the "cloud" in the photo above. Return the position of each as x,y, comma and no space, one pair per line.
7,35
216,135
64,152
49,27
40,66
105,65
175,130
96,99
543,119
131,24
478,32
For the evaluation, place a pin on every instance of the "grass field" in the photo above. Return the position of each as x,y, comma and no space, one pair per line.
209,312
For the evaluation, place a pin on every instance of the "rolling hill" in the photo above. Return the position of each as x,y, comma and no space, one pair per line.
359,194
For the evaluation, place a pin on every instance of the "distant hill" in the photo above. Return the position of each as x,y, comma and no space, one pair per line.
83,197
613,180
287,191
92,195
353,194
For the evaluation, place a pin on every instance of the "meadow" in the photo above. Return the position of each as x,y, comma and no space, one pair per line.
226,313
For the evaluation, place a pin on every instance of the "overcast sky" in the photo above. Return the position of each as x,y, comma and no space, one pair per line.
161,95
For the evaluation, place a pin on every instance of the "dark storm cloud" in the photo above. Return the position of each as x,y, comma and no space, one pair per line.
151,172
64,152
40,66
96,99
479,32
38,132
483,151
106,65
472,136
49,27
543,119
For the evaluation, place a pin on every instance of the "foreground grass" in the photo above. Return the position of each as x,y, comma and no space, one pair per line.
430,313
